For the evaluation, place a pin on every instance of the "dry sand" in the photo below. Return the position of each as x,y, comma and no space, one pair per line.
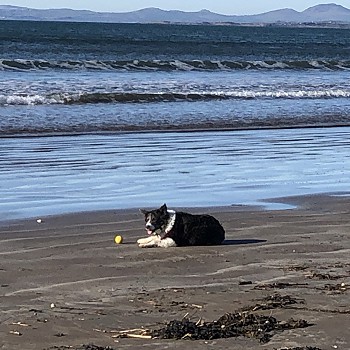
64,282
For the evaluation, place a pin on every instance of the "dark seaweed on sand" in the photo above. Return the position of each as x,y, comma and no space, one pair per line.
325,276
280,285
274,301
229,325
339,287
81,347
302,348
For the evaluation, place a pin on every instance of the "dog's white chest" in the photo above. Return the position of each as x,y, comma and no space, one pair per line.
171,221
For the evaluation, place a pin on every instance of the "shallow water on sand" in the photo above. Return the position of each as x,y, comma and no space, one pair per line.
58,174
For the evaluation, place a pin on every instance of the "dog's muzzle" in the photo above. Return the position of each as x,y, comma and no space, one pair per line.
150,228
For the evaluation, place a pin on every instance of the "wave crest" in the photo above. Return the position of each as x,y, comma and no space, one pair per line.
173,65
127,97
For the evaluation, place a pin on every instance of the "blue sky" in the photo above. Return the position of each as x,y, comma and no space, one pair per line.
236,7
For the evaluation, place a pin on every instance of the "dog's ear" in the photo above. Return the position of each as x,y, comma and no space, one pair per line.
143,211
164,208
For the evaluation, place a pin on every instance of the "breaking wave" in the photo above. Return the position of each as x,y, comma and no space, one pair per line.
127,97
123,97
173,65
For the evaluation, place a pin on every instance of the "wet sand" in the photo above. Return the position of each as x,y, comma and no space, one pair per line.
64,282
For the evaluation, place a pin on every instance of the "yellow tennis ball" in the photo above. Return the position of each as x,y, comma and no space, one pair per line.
118,239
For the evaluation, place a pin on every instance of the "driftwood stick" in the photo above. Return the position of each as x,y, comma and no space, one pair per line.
131,335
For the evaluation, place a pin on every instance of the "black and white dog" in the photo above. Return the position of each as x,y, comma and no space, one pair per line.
167,228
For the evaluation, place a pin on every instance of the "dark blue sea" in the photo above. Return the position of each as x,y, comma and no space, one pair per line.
101,116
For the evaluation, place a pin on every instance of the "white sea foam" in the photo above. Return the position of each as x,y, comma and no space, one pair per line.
182,65
151,96
28,100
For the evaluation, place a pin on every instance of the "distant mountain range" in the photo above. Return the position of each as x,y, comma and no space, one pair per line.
315,14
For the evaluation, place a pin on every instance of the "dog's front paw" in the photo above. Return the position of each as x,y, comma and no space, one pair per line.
145,240
149,242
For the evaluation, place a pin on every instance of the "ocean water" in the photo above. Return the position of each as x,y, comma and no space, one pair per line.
97,116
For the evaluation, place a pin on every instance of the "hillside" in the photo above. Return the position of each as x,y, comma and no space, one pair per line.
318,13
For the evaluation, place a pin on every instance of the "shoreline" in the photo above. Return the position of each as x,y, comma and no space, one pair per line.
65,283
293,202
267,204
86,214
175,129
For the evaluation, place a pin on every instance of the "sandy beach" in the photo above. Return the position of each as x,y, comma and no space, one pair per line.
98,119
65,283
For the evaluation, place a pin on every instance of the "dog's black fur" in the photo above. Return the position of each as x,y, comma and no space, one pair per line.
188,229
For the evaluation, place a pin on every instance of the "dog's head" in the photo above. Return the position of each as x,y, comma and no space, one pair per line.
156,220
